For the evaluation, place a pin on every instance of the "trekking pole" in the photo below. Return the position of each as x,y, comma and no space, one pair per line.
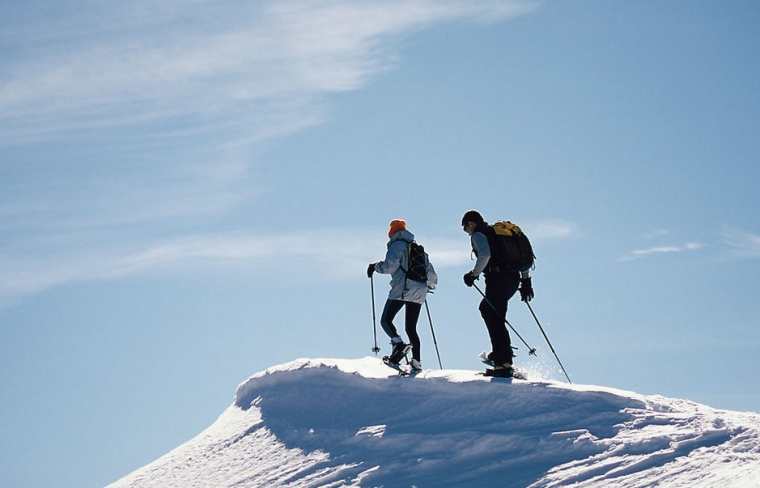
374,320
427,308
531,350
547,341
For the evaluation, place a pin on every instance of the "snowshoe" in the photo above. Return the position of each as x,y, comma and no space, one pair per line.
401,369
500,372
485,357
504,373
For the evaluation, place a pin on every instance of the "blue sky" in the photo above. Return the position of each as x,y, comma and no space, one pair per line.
190,192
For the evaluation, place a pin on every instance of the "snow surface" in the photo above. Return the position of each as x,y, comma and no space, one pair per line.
340,423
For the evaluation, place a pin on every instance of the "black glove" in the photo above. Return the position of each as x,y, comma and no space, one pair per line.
370,270
526,290
469,279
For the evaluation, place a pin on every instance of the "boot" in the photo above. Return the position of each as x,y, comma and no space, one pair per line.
501,371
399,351
415,366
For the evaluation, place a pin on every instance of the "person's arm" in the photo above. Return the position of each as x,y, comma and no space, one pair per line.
392,259
480,245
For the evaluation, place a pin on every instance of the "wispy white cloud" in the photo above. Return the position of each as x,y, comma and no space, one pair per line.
656,250
160,92
550,229
742,243
290,253
162,105
198,64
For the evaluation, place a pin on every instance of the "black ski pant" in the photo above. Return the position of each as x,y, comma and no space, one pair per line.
500,287
392,307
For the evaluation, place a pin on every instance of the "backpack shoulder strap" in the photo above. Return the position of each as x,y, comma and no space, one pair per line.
408,253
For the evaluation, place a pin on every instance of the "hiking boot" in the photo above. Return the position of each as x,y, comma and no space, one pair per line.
500,372
415,366
399,352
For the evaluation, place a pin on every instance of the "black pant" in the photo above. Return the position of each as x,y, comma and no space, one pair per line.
499,289
392,307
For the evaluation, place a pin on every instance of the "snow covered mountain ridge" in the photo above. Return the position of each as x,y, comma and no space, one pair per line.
340,423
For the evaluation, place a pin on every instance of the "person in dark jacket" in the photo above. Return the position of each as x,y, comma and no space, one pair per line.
501,285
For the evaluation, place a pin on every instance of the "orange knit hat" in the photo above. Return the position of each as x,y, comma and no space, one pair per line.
395,226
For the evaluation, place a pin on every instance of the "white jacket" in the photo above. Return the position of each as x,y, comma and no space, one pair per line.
396,261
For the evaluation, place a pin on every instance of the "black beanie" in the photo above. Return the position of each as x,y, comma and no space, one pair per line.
472,216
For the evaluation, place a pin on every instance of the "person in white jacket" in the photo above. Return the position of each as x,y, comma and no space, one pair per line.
405,292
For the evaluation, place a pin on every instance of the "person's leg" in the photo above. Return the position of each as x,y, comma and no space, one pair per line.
493,308
389,313
390,310
412,315
511,283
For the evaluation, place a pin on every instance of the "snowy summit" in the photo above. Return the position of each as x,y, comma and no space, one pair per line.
340,423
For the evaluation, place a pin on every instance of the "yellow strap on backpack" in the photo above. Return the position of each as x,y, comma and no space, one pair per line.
506,228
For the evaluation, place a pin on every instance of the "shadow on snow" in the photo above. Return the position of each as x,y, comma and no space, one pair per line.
434,431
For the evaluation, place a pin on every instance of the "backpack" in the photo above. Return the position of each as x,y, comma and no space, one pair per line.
511,248
417,263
